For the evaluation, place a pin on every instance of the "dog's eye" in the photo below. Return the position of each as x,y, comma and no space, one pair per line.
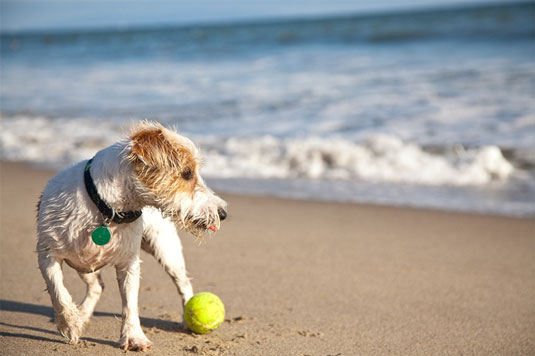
187,174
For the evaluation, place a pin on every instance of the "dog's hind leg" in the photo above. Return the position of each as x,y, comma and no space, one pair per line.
161,240
68,320
95,286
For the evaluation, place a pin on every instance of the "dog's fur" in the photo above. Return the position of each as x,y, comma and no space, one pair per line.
155,170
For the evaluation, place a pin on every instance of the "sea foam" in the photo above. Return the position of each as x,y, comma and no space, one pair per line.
381,158
378,158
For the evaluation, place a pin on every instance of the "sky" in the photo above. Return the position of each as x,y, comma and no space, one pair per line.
25,15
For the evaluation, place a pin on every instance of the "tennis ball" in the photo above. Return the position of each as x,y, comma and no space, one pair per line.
204,312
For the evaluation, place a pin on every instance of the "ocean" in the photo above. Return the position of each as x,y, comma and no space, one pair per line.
430,108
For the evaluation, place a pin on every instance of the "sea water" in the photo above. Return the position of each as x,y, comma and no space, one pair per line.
434,108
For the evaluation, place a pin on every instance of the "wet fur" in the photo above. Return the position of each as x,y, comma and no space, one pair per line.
155,170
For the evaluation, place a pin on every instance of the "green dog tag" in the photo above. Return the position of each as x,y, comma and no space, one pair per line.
101,235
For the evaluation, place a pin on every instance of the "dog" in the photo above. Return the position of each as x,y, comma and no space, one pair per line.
131,195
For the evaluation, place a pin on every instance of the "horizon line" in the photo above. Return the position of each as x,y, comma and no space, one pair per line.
260,20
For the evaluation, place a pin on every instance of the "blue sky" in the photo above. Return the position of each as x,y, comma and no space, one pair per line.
20,15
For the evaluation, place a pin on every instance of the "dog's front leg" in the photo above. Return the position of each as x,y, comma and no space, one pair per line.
132,337
161,240
68,320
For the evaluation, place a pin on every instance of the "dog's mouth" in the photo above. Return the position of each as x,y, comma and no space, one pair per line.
199,227
203,225
199,221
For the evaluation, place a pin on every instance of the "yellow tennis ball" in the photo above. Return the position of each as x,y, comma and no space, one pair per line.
204,312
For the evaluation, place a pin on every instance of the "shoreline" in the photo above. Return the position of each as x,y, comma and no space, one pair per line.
297,278
263,195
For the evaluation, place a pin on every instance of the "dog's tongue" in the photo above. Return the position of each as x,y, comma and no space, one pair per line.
213,228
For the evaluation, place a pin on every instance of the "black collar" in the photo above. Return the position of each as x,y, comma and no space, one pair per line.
109,213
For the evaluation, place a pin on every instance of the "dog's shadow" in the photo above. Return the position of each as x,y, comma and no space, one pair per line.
19,307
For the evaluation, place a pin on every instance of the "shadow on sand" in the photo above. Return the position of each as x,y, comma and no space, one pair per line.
19,307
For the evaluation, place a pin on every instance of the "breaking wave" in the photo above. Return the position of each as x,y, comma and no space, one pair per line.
379,158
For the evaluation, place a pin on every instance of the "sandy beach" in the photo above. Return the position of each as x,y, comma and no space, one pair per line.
298,278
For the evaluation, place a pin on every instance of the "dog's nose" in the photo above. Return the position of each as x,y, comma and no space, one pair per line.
222,214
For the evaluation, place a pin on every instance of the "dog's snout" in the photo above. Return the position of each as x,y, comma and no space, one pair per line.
222,213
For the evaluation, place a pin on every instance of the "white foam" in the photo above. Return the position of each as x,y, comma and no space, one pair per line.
380,158
329,168
53,142
348,91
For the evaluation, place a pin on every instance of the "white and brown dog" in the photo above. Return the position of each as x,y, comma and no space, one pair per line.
102,211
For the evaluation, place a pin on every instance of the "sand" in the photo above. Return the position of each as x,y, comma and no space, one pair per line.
298,278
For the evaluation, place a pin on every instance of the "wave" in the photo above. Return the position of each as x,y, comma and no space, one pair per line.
378,158
54,142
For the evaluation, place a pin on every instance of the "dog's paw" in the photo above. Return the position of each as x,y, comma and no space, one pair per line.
70,324
135,343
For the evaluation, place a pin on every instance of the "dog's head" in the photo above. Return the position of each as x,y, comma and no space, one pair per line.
166,166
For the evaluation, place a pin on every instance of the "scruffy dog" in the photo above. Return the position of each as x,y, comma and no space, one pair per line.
102,211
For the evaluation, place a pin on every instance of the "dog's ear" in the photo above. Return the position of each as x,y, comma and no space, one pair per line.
150,145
